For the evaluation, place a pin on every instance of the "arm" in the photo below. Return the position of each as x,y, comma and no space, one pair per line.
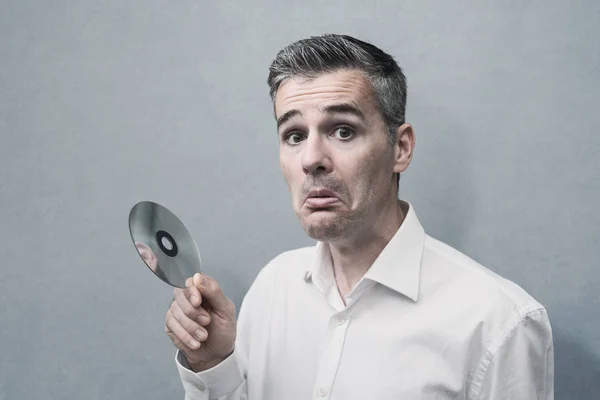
225,381
201,322
223,378
522,367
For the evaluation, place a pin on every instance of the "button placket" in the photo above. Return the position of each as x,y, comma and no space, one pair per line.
338,328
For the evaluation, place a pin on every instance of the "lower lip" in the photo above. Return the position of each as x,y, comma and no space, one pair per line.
320,202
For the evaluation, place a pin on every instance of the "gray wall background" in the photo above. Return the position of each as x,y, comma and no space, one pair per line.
106,103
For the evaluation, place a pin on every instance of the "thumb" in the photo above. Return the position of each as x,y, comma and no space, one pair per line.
210,290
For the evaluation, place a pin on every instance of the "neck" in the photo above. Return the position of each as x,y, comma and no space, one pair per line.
353,258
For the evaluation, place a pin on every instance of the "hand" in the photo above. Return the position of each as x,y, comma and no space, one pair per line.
201,322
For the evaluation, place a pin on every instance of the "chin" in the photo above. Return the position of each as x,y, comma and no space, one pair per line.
324,228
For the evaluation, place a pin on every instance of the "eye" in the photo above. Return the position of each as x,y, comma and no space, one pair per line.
294,138
344,133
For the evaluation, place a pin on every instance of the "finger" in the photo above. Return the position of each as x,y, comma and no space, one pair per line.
210,290
178,343
204,317
179,333
198,314
192,293
192,327
182,300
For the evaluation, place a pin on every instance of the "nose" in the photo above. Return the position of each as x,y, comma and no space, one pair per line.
315,155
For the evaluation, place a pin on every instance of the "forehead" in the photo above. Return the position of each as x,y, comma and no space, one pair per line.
344,86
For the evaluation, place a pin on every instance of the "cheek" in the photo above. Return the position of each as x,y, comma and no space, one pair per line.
288,173
368,175
283,165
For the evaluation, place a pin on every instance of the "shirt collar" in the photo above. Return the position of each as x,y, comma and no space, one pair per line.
398,265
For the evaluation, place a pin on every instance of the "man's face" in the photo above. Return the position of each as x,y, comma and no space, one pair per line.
335,154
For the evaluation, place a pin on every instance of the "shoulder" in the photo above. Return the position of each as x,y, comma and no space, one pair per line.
491,305
461,272
514,352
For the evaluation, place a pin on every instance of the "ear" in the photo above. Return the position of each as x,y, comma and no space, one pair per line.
403,147
146,253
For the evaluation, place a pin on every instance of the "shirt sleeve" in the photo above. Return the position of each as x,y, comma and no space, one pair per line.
522,367
223,381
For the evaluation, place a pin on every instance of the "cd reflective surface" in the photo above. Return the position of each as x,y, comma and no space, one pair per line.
163,243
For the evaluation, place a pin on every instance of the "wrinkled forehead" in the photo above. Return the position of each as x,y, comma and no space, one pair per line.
306,93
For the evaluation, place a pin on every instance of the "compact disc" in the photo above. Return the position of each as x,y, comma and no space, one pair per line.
163,243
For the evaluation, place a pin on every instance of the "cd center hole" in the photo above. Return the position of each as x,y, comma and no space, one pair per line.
166,243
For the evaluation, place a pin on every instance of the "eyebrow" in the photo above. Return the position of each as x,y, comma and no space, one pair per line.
343,108
287,116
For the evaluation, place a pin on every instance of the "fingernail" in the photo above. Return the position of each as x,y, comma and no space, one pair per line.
202,280
200,335
194,344
203,319
194,299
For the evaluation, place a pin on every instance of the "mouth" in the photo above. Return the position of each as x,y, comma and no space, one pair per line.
321,198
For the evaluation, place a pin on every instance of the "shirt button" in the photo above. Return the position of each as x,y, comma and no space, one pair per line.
322,392
201,387
341,320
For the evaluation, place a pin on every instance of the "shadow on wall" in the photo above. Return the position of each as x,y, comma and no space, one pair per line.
577,370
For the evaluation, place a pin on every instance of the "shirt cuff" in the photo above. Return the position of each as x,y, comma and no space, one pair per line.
220,380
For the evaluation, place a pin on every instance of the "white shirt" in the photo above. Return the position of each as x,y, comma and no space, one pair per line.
425,322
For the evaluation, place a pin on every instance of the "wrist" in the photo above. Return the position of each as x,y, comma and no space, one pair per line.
201,365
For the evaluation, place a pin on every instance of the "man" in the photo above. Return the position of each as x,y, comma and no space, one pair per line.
377,309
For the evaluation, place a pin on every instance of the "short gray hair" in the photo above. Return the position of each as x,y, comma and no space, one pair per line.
327,53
